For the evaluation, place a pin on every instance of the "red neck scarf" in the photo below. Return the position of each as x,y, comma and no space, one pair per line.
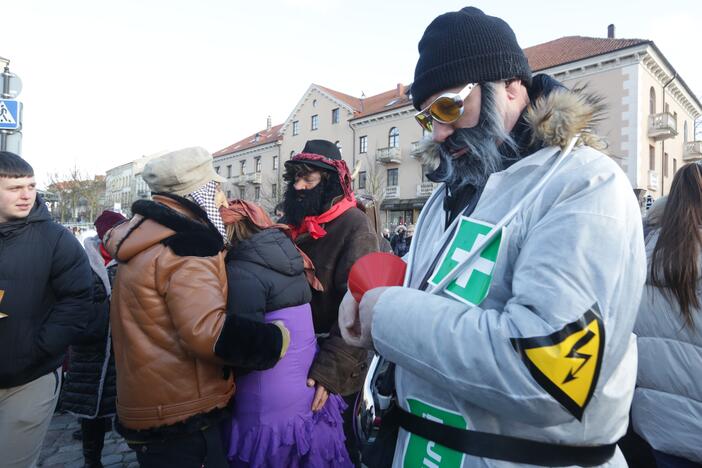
105,254
313,224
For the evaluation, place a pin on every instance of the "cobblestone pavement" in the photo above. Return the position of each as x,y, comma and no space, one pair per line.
60,450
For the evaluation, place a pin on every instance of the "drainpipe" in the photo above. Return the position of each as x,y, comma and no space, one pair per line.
675,75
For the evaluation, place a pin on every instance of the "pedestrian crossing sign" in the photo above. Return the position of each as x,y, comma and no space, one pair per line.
9,114
471,286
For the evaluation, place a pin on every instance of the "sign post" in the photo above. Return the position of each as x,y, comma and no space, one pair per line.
10,111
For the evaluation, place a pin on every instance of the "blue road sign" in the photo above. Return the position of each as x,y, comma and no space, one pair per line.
9,114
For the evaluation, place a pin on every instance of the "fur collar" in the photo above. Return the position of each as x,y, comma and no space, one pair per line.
194,236
556,118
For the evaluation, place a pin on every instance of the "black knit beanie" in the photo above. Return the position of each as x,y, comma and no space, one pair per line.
464,47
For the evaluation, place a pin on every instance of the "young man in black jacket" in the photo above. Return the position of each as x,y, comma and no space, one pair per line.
45,292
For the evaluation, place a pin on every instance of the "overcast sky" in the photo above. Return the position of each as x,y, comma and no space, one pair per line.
107,82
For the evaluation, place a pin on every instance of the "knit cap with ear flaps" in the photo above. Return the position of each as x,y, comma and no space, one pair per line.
466,46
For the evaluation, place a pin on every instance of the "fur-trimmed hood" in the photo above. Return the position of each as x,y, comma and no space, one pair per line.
169,219
556,118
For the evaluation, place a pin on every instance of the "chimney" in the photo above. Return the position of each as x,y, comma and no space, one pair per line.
400,89
610,31
269,123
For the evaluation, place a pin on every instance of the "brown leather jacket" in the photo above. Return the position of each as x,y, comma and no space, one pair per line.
168,311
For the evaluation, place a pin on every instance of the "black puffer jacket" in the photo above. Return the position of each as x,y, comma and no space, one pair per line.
46,286
265,273
90,389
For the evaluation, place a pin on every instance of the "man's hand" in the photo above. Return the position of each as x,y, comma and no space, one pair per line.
320,395
349,322
356,320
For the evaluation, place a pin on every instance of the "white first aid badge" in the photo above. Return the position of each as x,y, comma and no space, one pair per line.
472,285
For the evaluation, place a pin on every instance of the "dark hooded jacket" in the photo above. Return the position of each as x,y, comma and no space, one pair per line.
265,273
45,290
90,389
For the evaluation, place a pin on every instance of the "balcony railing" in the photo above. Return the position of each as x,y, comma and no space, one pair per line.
692,151
255,178
425,189
388,155
414,149
392,191
662,126
239,180
653,180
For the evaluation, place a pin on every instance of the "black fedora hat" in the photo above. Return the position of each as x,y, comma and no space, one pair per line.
323,148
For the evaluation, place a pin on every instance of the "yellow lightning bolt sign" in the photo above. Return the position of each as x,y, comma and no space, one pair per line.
567,363
2,293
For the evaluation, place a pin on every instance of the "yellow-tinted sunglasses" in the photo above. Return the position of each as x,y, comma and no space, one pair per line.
445,109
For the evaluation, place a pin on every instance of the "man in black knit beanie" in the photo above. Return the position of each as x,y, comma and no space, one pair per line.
512,338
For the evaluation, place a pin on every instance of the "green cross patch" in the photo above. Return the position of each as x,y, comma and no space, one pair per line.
472,285
421,452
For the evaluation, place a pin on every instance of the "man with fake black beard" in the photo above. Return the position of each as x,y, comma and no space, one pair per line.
513,341
329,227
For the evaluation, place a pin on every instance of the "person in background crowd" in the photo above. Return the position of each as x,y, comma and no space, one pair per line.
327,225
367,203
667,406
90,388
45,291
652,221
173,340
399,243
269,279
527,355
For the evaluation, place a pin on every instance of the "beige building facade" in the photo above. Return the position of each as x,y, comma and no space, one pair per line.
649,125
124,185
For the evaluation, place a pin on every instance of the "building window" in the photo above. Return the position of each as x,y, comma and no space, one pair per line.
258,163
275,163
242,167
685,132
229,171
315,122
394,138
652,101
651,158
362,180
314,103
363,144
392,177
335,115
257,193
675,166
292,153
229,194
665,164
274,191
217,167
296,127
242,193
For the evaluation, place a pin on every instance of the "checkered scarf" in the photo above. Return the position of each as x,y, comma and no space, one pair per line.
205,197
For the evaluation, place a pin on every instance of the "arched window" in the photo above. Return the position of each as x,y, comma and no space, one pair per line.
394,138
652,101
292,153
338,145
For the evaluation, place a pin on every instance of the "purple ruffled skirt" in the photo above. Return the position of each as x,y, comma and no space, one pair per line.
272,423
